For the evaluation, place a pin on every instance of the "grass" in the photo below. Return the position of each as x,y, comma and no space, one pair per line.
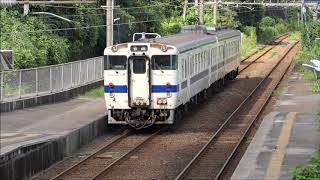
315,87
304,57
278,91
98,92
249,46
273,53
295,36
307,171
310,170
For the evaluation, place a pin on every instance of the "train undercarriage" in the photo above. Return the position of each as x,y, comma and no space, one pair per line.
140,118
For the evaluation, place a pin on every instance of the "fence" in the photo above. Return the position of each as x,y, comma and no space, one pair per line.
50,79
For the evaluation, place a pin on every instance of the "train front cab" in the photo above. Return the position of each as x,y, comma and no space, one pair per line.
148,88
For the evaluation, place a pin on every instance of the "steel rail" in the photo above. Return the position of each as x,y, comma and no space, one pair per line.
126,133
195,159
113,141
126,155
255,118
100,174
278,41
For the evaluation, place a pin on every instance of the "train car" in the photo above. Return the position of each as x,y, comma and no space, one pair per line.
147,81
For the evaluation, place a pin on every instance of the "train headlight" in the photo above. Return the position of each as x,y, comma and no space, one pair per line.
111,86
168,86
114,48
164,48
162,101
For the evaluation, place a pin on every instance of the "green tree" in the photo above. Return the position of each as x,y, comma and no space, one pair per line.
228,18
31,47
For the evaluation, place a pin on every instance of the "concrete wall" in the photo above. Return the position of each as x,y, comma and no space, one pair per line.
47,99
27,161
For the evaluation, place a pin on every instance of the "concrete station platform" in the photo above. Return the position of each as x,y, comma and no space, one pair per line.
288,135
32,139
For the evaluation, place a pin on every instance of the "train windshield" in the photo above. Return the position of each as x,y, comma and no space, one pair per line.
139,66
164,62
115,62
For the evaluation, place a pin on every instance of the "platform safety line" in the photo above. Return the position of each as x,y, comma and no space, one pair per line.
275,163
19,137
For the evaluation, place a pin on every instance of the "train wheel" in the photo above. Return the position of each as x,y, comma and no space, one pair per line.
178,113
220,84
186,108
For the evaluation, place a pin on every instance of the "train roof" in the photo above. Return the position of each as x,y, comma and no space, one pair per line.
188,40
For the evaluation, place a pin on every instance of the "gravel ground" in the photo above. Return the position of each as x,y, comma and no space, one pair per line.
166,155
81,154
243,147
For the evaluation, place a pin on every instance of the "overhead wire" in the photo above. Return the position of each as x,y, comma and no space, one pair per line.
104,25
75,28
100,8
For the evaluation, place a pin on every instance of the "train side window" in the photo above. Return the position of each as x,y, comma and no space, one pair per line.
115,62
186,68
208,58
211,56
196,66
192,65
164,62
188,62
214,56
199,62
182,68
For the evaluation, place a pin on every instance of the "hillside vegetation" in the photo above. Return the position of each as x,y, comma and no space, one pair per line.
43,40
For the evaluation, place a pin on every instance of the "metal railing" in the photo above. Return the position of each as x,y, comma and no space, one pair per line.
24,83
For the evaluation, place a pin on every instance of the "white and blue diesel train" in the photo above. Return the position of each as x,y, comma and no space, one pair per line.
146,81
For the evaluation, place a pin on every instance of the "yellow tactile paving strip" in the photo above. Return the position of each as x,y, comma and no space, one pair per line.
275,163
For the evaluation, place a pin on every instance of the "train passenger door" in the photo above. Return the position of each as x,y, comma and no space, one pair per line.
139,82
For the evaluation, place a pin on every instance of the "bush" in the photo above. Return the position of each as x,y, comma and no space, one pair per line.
171,26
309,171
267,22
227,18
30,49
249,42
192,17
270,28
281,27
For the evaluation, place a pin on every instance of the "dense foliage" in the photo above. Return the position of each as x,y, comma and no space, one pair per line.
31,49
269,28
311,32
36,41
85,36
310,171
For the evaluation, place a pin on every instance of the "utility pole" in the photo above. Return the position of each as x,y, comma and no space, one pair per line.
302,11
215,11
109,23
201,19
196,4
185,7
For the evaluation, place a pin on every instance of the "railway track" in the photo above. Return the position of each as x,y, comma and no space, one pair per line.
214,156
123,146
104,173
109,154
247,61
